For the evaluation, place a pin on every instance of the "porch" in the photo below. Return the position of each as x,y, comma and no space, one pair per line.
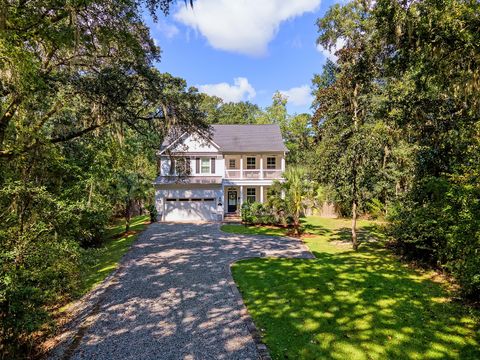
254,166
235,196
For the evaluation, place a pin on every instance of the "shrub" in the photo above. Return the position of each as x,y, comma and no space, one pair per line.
256,213
37,271
152,210
376,209
444,231
80,222
246,213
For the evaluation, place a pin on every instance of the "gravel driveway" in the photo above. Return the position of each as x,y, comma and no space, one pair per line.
172,298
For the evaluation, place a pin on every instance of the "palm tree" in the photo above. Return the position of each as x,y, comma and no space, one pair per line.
293,195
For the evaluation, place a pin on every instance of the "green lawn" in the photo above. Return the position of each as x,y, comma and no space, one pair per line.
347,305
100,262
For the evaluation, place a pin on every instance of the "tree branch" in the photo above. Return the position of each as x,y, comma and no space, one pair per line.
7,116
74,135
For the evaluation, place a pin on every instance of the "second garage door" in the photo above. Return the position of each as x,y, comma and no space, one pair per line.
195,209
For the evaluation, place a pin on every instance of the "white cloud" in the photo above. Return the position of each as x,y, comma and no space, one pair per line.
330,54
167,29
240,90
245,26
299,96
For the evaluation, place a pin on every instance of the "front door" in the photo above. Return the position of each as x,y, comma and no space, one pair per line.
232,201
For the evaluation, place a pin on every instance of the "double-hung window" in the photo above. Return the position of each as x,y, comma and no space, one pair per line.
232,164
271,163
182,166
251,163
205,166
251,195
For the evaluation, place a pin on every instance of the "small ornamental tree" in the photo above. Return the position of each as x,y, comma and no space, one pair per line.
293,195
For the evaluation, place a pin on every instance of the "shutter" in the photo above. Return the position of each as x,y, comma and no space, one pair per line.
212,165
197,165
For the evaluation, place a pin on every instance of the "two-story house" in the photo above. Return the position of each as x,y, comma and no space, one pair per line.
206,177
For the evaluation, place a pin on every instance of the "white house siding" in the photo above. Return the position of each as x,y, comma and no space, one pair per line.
189,204
194,143
219,165
200,186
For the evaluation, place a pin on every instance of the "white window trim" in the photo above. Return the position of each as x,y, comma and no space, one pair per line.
202,159
254,195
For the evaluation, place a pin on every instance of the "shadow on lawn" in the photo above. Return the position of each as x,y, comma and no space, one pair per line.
314,229
367,234
353,305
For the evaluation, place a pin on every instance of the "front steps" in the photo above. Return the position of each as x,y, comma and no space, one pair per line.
232,218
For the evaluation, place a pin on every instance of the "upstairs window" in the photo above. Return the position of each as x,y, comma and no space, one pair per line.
251,195
205,168
271,163
251,163
182,166
232,164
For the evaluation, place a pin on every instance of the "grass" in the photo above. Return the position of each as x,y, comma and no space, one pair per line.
100,262
353,305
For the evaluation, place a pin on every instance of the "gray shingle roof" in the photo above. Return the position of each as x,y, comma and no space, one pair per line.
247,138
244,138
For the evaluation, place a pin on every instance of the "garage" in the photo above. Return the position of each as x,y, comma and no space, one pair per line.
189,202
193,209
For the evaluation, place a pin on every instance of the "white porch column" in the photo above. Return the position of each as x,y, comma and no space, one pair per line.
261,194
223,208
261,167
283,163
241,167
241,197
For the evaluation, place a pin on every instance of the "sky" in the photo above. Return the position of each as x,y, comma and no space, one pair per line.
244,49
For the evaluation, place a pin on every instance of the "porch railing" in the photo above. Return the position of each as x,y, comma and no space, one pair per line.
253,174
272,174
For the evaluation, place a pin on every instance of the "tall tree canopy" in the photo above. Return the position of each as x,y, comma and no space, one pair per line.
397,119
82,111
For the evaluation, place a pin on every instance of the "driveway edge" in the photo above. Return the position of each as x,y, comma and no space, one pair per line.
261,347
263,353
83,311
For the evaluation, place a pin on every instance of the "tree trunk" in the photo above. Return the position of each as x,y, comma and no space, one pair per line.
128,215
354,173
354,225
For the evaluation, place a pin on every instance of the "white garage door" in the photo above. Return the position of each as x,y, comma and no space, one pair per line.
195,209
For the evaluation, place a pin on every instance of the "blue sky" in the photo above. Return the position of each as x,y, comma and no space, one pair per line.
244,49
